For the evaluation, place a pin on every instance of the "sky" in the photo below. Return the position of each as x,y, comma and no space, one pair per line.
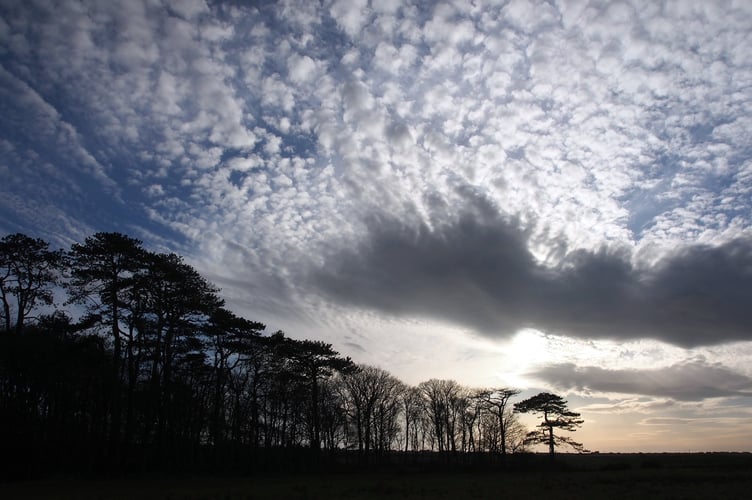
549,195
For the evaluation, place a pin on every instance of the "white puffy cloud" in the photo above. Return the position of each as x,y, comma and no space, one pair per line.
352,15
301,68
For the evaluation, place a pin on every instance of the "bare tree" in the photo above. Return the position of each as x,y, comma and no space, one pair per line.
412,409
333,421
497,401
373,401
444,403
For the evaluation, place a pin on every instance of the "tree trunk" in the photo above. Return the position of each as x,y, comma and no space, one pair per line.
316,434
6,312
551,440
116,406
254,411
503,431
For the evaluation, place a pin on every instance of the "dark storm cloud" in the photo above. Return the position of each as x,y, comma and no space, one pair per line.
689,381
476,271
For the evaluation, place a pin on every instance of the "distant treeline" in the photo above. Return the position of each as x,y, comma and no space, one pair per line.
154,374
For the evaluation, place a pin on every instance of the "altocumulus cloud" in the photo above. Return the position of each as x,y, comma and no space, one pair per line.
304,152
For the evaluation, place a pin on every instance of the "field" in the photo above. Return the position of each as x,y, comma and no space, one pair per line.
594,476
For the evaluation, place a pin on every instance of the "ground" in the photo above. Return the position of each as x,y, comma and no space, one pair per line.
605,476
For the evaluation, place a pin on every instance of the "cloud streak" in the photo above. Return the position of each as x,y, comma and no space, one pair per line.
692,380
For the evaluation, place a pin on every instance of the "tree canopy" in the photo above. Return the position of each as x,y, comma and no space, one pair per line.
149,370
28,272
555,414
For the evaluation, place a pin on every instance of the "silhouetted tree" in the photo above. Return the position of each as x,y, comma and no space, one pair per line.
102,271
154,373
255,376
412,410
373,397
497,402
333,413
556,415
284,393
314,361
183,303
53,399
232,340
471,418
28,272
444,403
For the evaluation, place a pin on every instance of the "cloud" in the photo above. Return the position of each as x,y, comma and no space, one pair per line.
34,119
635,405
350,14
666,421
691,380
301,68
308,142
476,270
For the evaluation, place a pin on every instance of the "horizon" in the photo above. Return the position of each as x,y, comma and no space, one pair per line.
550,196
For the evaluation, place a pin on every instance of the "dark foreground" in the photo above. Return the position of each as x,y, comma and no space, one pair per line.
606,476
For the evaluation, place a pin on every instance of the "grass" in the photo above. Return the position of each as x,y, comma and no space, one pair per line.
614,477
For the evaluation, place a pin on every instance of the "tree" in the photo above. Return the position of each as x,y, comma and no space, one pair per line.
314,361
445,403
28,272
556,414
232,339
412,409
497,401
372,395
103,270
183,303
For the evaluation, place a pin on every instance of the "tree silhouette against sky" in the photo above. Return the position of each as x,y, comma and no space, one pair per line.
555,414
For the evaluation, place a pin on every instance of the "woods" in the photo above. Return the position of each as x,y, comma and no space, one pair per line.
115,360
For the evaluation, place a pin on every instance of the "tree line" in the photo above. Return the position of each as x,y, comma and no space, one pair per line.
117,359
